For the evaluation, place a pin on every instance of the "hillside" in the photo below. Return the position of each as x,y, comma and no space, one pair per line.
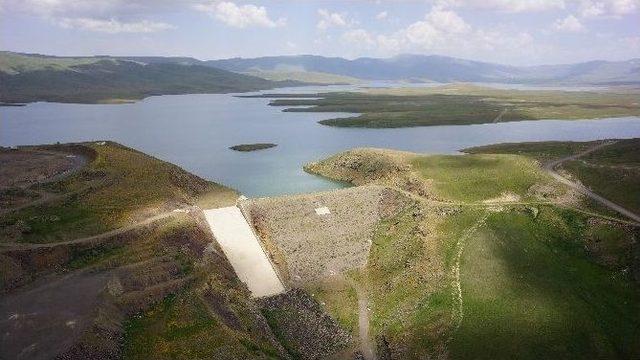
444,69
28,78
613,171
494,259
304,76
149,283
31,77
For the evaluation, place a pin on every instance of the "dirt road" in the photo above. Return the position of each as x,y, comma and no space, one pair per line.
26,169
367,348
108,234
499,117
551,166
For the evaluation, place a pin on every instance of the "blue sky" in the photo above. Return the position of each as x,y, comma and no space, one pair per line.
524,32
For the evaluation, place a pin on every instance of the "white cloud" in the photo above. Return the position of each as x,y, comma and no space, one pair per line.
447,21
607,8
445,32
95,15
113,26
590,9
329,19
240,16
506,5
382,15
78,8
623,7
569,24
438,27
358,37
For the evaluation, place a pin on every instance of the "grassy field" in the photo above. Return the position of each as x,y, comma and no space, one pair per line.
340,299
118,186
13,63
480,177
537,280
530,291
181,327
462,105
613,171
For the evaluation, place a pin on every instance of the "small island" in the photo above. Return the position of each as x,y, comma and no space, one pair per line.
252,147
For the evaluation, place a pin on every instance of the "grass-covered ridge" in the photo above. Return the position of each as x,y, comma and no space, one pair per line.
462,105
117,187
492,260
161,289
311,77
613,171
29,78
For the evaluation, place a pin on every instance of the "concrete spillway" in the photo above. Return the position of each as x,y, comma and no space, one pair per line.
243,249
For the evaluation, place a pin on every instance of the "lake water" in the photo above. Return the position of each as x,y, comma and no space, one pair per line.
195,131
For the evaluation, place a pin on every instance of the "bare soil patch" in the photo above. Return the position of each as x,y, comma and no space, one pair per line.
21,170
50,316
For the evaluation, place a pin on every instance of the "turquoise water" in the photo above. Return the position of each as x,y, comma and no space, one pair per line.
195,131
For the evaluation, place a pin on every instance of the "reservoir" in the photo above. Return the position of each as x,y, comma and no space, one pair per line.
195,131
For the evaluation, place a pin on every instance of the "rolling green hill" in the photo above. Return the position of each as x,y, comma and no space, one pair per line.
28,78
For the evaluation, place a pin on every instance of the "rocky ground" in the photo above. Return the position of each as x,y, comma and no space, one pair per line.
306,246
304,328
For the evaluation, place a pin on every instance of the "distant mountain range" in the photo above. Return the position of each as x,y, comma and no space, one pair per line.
29,78
443,69
32,77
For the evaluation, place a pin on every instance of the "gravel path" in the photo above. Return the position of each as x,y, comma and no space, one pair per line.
366,346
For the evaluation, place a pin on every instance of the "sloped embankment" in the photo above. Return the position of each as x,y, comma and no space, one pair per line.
504,246
161,289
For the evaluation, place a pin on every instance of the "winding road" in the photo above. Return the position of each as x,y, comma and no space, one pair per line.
102,236
551,169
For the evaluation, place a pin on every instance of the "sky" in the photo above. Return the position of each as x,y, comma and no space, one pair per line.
517,32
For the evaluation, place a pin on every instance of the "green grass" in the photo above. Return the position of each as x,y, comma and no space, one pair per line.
543,151
610,245
181,327
613,171
479,177
143,244
530,291
29,78
118,185
620,185
461,105
408,291
14,63
339,299
538,281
